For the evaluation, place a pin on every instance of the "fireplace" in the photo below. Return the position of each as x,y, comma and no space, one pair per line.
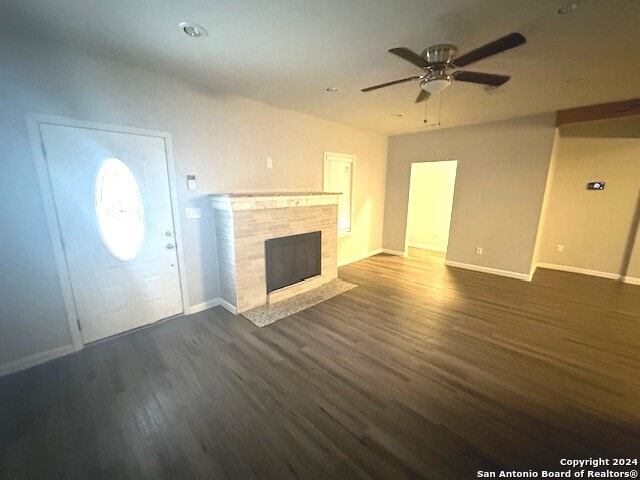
244,222
291,259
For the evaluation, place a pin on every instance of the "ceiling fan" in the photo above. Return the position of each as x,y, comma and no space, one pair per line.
437,59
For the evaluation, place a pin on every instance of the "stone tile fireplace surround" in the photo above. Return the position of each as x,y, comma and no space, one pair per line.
243,221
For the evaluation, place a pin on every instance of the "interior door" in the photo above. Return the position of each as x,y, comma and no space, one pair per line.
113,203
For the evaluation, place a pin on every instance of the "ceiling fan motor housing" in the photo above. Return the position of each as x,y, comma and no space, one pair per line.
441,54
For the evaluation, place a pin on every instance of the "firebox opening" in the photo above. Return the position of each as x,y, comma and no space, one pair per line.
292,259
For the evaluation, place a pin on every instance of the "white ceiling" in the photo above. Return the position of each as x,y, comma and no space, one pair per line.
286,53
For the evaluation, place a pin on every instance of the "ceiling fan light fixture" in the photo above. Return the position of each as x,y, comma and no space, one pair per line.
436,84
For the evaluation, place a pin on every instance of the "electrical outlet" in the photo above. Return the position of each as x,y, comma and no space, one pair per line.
479,250
269,162
560,248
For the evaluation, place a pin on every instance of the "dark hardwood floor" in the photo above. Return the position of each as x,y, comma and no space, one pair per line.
421,372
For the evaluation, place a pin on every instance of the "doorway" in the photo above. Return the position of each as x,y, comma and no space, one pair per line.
431,190
110,200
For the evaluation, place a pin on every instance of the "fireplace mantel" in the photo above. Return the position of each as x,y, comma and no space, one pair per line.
256,201
244,221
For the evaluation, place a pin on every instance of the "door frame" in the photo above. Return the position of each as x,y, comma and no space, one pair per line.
411,187
37,148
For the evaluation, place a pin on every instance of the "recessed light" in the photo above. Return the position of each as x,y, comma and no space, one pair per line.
333,89
193,29
572,6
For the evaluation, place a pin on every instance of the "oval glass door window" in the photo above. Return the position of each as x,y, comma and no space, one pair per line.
120,209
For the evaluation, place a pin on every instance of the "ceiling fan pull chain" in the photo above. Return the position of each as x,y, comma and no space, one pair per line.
440,108
425,112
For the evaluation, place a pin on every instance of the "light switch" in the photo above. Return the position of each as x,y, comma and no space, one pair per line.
194,213
191,182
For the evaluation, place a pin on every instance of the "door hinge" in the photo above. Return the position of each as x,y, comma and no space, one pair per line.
78,322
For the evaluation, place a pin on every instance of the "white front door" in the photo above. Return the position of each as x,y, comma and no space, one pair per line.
113,204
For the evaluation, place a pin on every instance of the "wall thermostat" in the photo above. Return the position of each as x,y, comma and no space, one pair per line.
595,186
191,182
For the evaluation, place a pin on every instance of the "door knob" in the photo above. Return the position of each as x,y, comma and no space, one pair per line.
170,246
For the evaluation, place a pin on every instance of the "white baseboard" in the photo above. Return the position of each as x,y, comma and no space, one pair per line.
581,271
33,360
347,261
631,280
227,306
212,303
204,305
427,246
394,252
494,271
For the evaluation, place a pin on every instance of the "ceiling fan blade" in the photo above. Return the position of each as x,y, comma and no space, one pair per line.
388,84
483,78
423,96
410,56
502,44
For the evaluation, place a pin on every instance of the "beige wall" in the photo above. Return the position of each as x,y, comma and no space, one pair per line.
500,182
594,226
222,140
430,204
